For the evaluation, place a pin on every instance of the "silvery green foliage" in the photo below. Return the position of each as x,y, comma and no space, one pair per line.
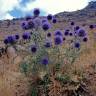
32,62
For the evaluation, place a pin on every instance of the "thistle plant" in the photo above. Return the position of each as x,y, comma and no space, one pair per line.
45,48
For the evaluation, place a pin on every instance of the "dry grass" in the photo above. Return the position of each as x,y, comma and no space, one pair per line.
14,83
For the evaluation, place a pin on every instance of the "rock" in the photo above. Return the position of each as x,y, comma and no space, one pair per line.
11,52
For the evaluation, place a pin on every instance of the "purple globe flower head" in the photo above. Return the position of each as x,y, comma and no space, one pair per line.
17,36
44,61
49,17
25,35
72,23
11,39
58,32
77,45
71,34
58,40
54,20
91,26
85,39
33,48
36,12
76,28
48,44
49,34
31,24
64,38
6,41
81,33
66,33
24,25
45,26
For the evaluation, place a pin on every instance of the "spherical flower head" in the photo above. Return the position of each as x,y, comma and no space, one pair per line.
49,17
58,40
91,26
11,39
48,44
31,24
36,12
54,20
85,39
48,34
76,28
24,25
81,33
45,26
6,41
77,45
64,38
33,49
44,61
58,32
72,23
70,34
17,37
66,33
25,35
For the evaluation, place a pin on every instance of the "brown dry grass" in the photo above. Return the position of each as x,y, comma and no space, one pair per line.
14,83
